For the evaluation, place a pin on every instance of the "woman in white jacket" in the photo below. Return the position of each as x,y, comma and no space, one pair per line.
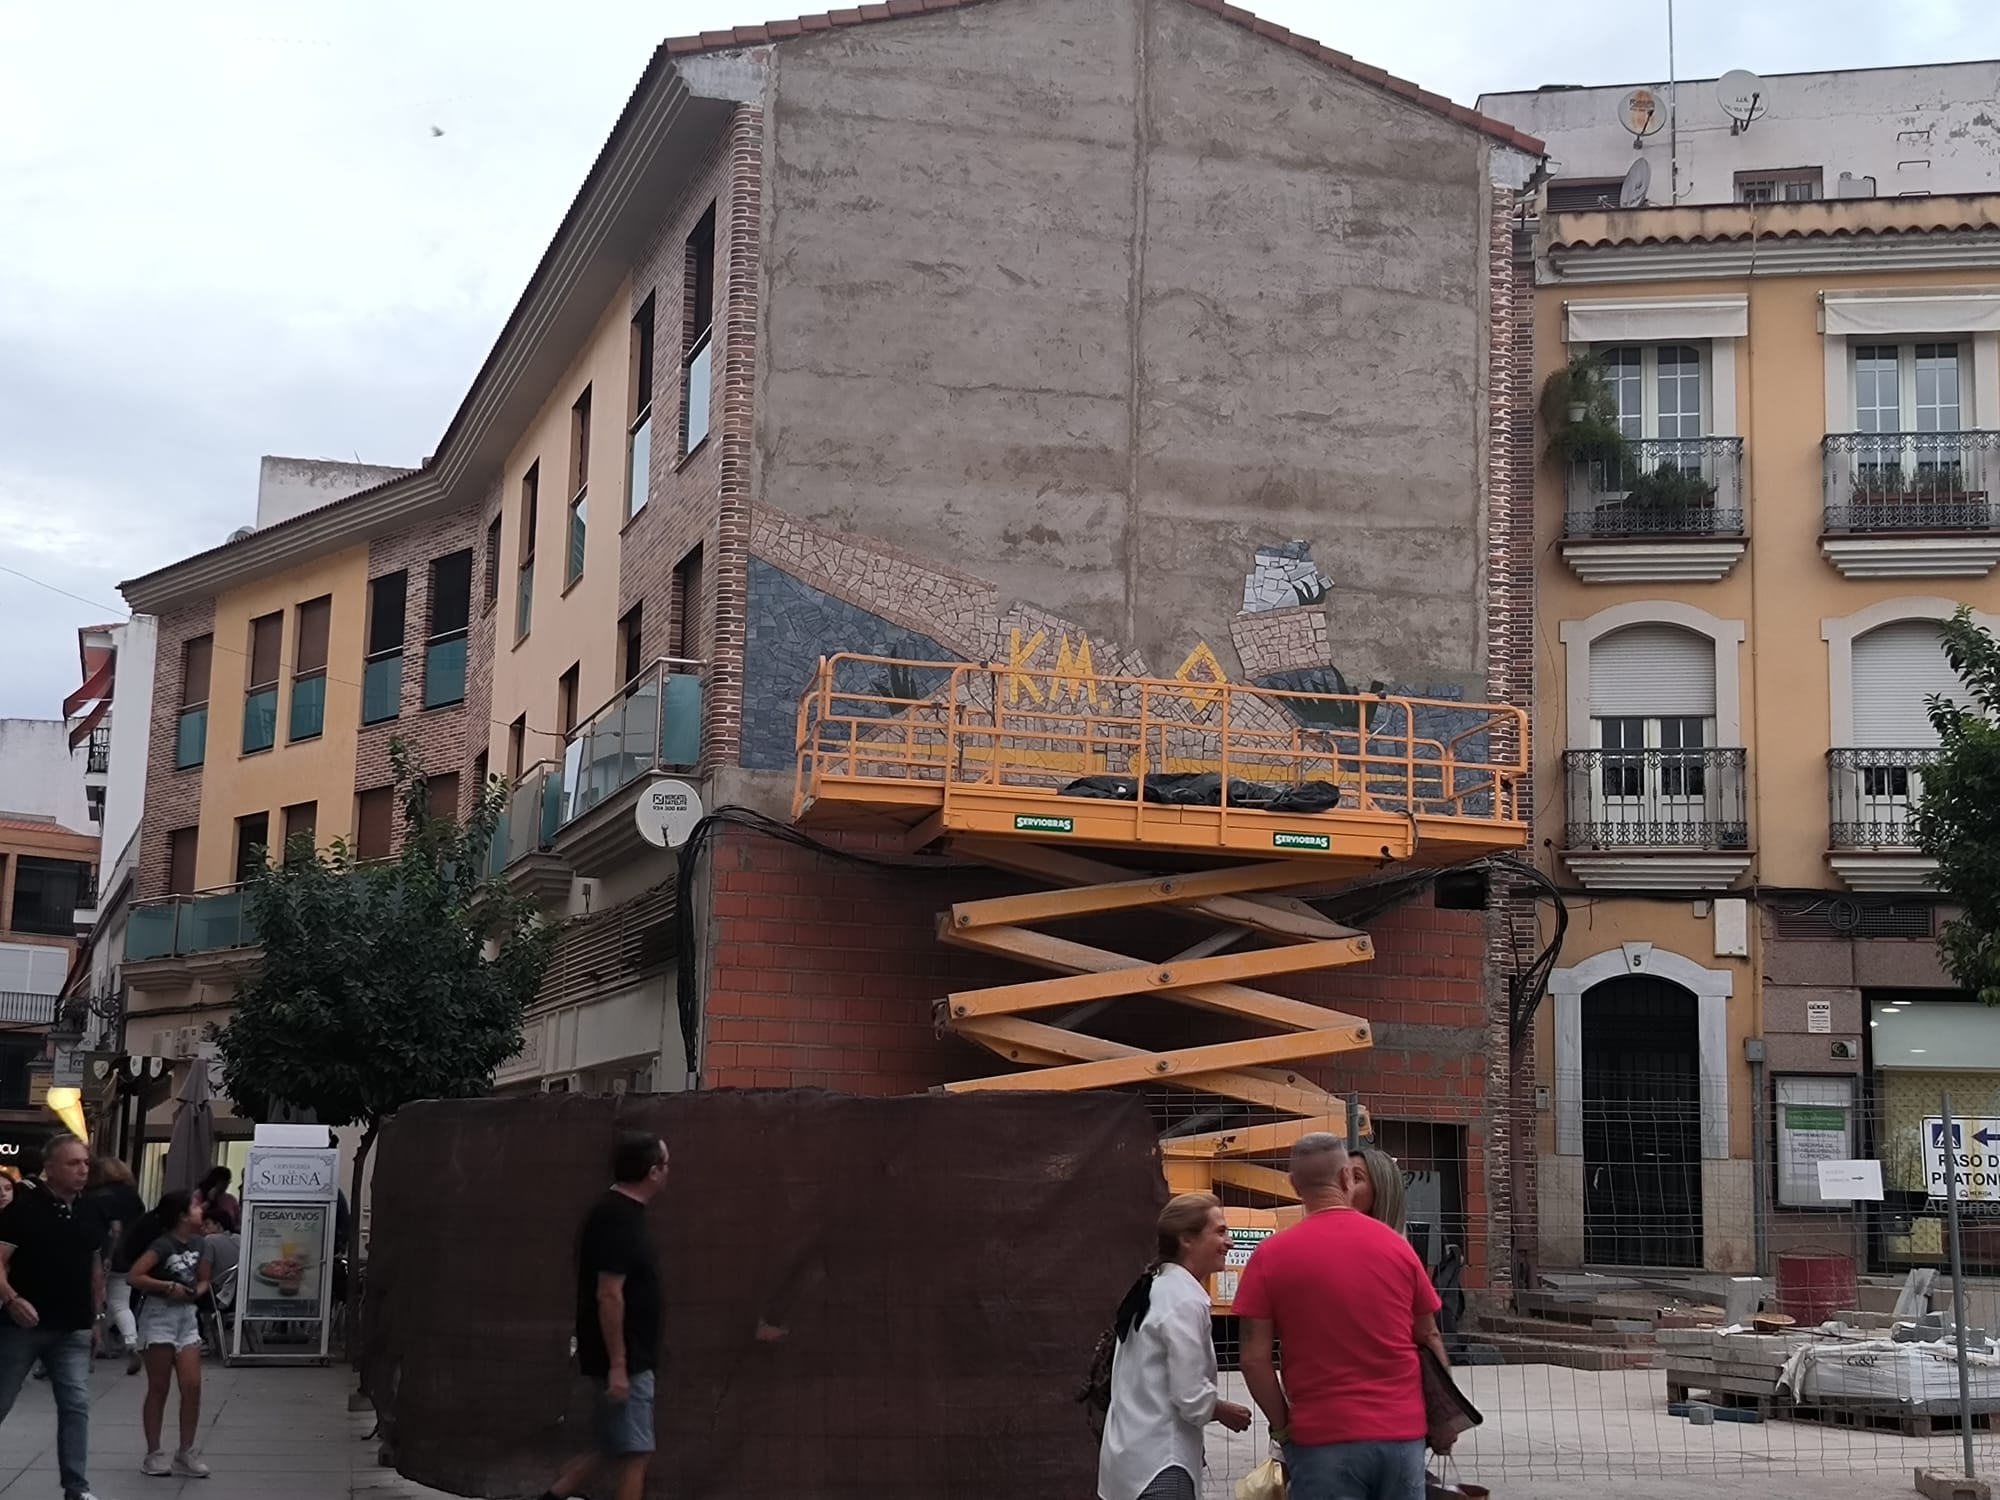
1163,1385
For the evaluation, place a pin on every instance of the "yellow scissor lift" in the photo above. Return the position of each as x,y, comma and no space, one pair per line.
979,757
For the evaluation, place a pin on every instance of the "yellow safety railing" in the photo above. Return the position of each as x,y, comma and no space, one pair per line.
928,729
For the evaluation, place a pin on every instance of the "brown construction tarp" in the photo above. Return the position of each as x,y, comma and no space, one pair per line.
942,1266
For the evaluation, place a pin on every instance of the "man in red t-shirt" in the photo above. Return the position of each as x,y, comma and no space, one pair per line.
1350,1300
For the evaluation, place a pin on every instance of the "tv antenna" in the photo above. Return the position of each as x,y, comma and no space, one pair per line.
1741,94
1640,113
1638,179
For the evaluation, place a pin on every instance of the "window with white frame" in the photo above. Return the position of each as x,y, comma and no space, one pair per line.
1652,720
1907,388
1661,389
1909,406
1897,667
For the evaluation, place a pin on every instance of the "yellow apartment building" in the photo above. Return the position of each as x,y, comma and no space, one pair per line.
287,660
1739,593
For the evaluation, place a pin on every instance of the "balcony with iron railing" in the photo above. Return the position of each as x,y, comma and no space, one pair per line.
98,757
1872,801
651,728
1911,504
1657,819
1660,509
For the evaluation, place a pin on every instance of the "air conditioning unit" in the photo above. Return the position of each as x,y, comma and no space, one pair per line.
187,1042
560,1083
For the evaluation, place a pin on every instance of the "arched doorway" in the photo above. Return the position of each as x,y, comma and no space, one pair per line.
1642,1123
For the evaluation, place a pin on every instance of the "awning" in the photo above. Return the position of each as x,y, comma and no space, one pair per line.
88,722
97,687
1656,320
1942,310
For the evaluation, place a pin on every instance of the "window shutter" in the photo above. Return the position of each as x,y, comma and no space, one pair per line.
197,656
1896,668
1650,670
315,617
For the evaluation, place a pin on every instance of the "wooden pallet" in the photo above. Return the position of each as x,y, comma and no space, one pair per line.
1911,1422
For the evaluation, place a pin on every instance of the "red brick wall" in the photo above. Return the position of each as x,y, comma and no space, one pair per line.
823,973
173,798
437,736
703,499
1511,679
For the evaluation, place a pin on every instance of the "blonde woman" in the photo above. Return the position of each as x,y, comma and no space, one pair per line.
1163,1377
1375,1187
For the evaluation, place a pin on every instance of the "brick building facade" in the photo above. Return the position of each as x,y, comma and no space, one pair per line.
996,394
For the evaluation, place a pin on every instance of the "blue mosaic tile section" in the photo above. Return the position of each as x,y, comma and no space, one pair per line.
791,625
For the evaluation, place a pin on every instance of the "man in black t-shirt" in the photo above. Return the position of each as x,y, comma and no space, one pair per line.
618,1315
51,1291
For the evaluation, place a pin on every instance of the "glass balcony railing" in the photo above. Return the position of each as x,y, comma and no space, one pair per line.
308,708
382,686
260,719
191,738
654,724
529,820
176,926
444,670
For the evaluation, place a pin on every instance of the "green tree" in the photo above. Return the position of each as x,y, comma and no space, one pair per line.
387,981
1958,820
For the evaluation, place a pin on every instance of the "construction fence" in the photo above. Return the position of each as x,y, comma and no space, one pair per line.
944,1265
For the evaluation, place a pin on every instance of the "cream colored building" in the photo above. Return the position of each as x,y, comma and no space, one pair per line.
1731,682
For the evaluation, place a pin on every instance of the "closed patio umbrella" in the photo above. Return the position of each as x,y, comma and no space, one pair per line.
191,1148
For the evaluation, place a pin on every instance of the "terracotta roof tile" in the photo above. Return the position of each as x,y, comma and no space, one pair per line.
778,31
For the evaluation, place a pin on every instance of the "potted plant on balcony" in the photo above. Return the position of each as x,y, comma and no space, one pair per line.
1889,497
1681,499
1580,413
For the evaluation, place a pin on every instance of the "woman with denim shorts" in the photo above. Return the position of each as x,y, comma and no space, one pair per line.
172,1273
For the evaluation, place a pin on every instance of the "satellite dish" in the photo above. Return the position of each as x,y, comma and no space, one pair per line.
1741,94
666,812
1640,113
241,532
1632,191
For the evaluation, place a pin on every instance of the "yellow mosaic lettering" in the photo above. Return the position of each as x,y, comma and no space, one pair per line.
1201,663
1019,657
1076,673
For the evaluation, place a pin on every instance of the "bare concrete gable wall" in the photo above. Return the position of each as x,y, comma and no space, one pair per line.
1092,301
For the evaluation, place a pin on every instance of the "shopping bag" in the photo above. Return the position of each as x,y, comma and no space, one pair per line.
1265,1482
1446,1485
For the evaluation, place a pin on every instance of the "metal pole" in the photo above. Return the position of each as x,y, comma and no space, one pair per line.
1957,1281
1759,1192
1673,115
1353,1122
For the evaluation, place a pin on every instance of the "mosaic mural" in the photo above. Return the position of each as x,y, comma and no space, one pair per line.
812,595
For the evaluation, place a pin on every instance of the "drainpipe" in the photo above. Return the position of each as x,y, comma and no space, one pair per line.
1753,1052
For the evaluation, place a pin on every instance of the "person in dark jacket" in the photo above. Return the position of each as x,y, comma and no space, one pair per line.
117,1203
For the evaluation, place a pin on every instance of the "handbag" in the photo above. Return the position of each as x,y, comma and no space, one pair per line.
1265,1482
1446,1485
1446,1411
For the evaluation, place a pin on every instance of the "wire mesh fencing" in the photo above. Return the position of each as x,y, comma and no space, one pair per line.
1654,1272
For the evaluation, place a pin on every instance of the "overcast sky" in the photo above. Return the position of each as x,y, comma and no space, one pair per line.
227,228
